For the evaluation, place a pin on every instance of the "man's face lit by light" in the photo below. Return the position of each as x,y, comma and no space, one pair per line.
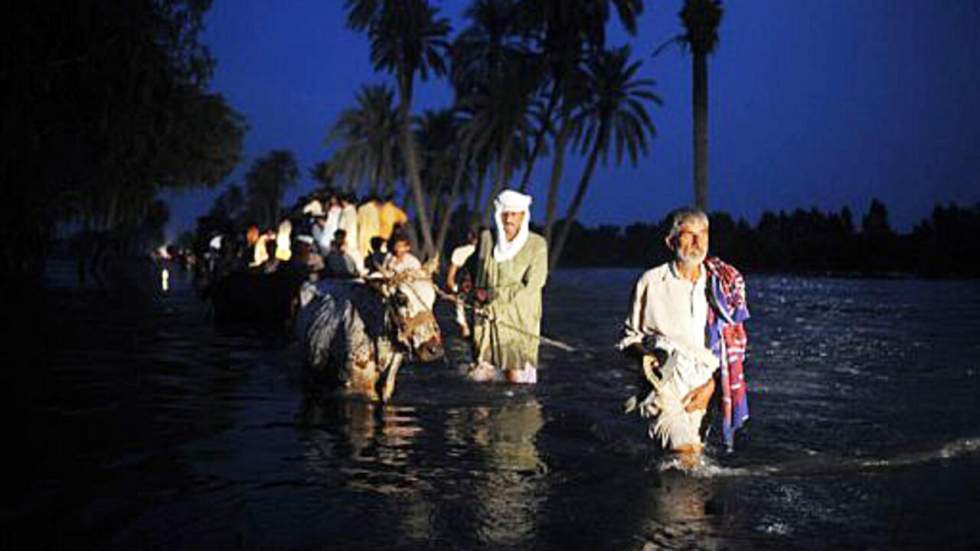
691,242
512,223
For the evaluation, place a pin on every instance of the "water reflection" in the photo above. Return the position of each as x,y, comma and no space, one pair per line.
855,414
508,491
367,443
680,516
485,483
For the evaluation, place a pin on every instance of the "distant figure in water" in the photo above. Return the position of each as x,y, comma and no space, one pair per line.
284,245
684,322
512,268
262,251
459,279
376,260
307,256
339,264
271,262
348,223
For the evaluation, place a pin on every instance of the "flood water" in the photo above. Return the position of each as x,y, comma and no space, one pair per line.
142,426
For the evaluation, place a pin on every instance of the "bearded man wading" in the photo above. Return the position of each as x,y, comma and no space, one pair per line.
685,321
511,271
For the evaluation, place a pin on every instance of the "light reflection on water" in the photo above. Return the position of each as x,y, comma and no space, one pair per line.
861,391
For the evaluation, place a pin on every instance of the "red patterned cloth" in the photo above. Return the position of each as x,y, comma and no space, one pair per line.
728,340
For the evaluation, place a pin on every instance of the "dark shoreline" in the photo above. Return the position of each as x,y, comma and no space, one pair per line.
889,276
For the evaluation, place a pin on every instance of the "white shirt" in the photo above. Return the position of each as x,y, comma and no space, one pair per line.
671,309
322,237
348,223
399,265
333,223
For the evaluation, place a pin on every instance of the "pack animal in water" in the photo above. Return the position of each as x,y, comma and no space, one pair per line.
356,334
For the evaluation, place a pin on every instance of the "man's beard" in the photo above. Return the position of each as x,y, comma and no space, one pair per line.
691,260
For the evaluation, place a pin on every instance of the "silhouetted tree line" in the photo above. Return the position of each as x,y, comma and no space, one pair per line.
803,241
104,105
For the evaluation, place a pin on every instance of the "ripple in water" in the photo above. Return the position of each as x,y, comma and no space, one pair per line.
161,431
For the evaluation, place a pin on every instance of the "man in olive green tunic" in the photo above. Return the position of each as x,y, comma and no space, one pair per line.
512,270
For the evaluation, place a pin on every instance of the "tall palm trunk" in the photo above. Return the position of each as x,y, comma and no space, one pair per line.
450,205
412,165
557,166
700,97
411,228
539,140
477,196
376,179
573,208
504,171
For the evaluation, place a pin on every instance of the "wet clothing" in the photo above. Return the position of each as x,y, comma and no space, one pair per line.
728,340
515,288
669,313
670,424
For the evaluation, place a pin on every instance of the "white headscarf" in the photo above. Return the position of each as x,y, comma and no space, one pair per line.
510,201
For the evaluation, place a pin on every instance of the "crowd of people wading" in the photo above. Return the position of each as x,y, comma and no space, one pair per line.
328,234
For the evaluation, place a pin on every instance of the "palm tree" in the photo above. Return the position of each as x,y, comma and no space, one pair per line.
496,77
613,113
406,38
701,19
446,160
266,181
323,173
230,204
487,46
571,96
369,137
500,126
566,32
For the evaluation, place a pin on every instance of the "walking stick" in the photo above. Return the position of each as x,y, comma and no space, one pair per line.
484,314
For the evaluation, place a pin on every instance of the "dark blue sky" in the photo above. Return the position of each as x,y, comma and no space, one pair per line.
823,103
